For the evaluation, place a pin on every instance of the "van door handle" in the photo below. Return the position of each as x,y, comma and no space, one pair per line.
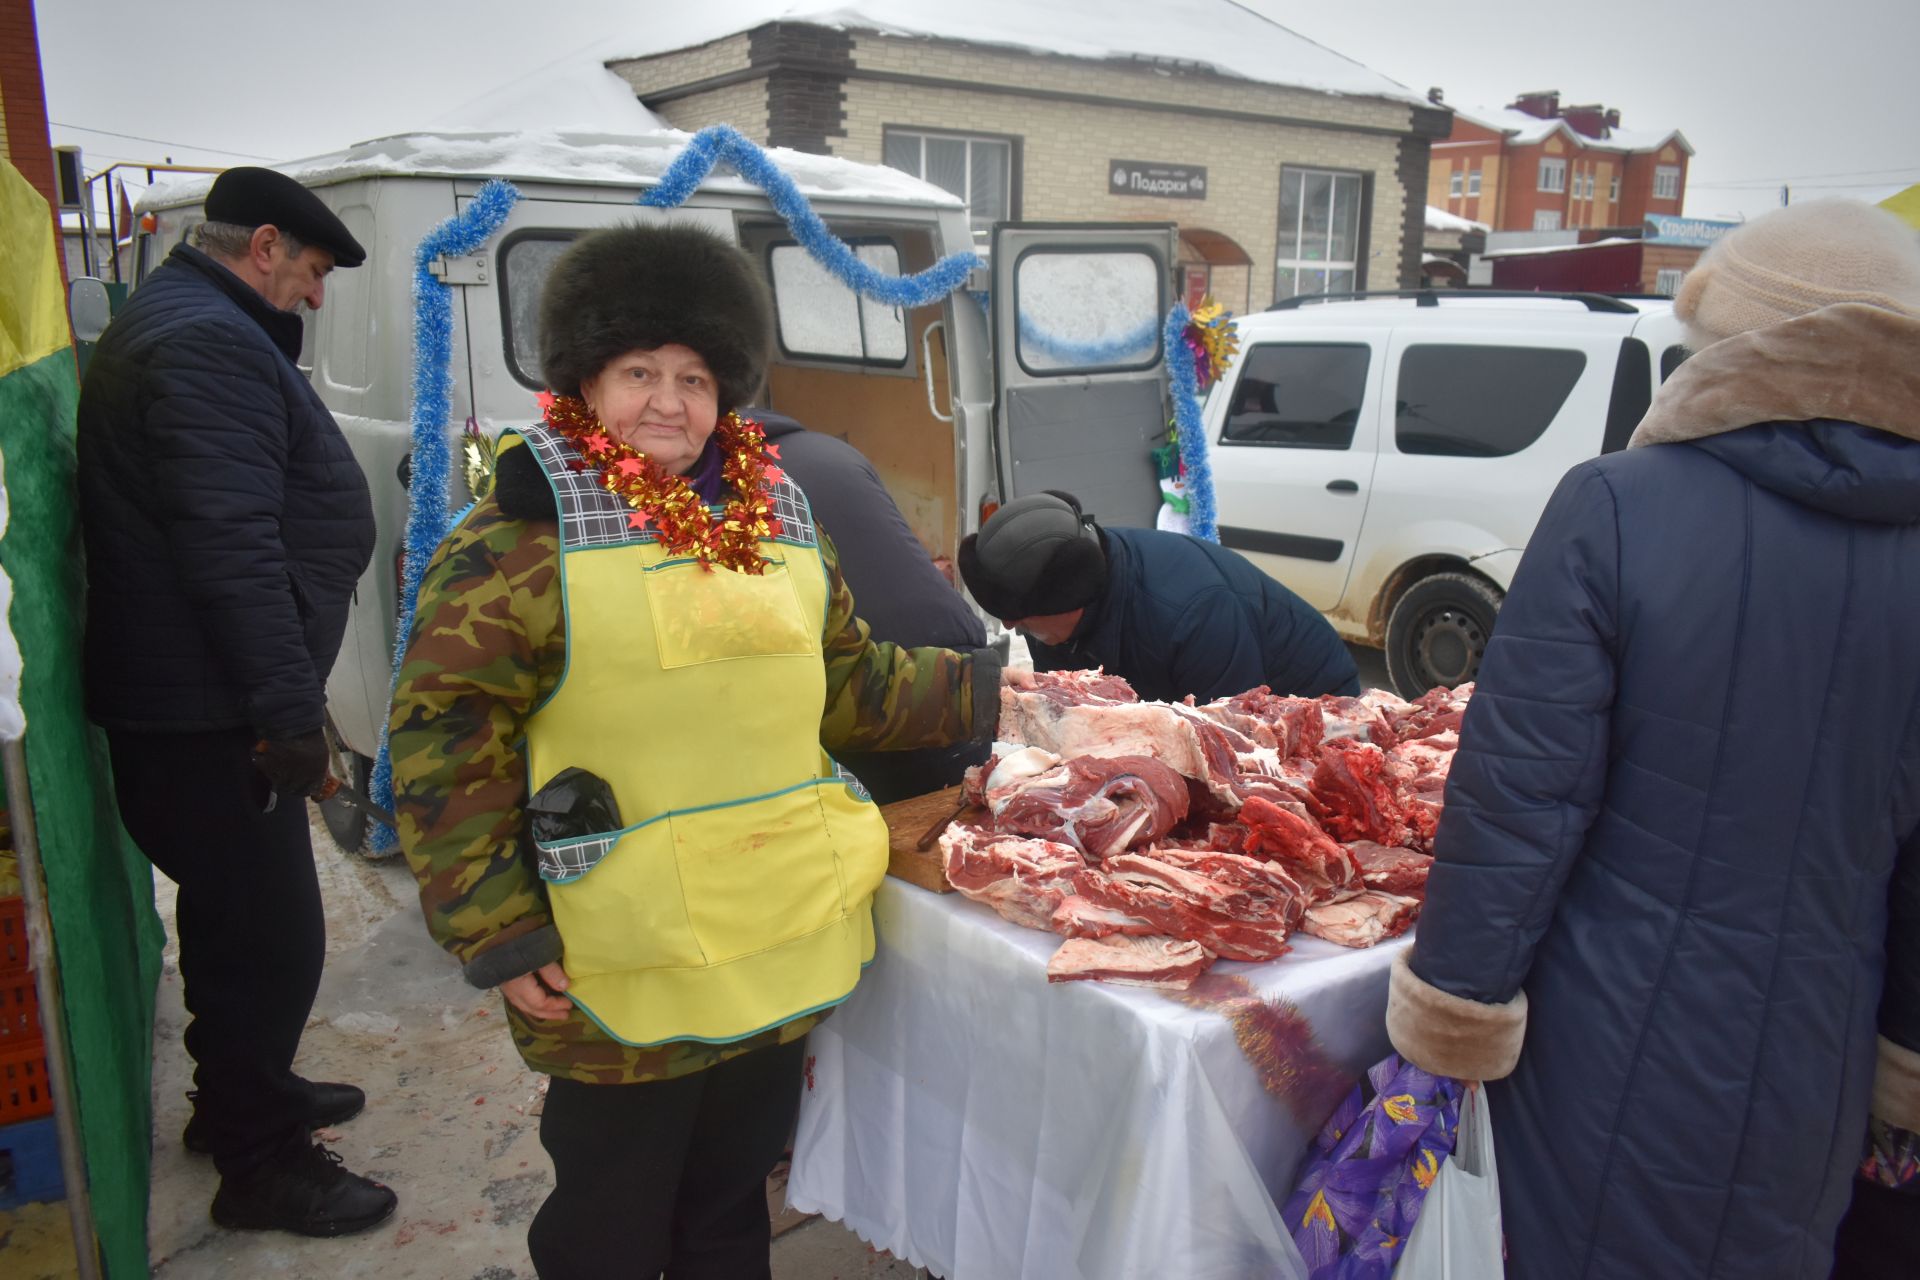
1342,486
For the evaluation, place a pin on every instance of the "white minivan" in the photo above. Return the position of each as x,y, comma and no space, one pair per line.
1387,457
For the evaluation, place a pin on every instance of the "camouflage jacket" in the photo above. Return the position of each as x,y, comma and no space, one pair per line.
488,644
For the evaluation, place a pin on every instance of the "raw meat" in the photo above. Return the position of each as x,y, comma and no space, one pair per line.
1282,830
1362,920
1078,917
1353,784
1363,718
1240,924
1166,963
1438,710
1024,880
1239,871
1390,870
1099,805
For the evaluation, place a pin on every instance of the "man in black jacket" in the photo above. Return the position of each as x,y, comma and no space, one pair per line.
901,596
226,526
1171,615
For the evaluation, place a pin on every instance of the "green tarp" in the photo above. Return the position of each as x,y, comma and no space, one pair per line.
100,890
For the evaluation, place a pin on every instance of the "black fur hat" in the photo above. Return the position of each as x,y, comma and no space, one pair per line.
638,287
1036,555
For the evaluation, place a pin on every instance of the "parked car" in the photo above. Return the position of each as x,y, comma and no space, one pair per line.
1387,456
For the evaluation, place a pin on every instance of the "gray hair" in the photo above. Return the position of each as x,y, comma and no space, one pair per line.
231,240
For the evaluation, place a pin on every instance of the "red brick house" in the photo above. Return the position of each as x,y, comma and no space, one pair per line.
1535,165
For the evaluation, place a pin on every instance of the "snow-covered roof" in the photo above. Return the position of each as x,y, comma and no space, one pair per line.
635,160
1219,35
1560,248
578,95
1526,130
1441,220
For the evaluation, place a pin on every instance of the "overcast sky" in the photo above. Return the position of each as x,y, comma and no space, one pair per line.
1820,97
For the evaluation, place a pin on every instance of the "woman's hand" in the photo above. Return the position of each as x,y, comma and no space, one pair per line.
539,994
1018,677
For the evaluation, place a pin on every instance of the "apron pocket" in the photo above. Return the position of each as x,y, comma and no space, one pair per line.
702,615
758,874
629,911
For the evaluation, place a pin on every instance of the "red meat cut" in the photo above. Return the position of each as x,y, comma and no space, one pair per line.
1362,920
1391,870
1024,880
1166,963
1099,805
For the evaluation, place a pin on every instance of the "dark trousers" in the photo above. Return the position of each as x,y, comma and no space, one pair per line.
901,775
669,1176
251,928
1879,1239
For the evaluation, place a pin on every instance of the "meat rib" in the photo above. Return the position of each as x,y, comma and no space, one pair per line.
1166,963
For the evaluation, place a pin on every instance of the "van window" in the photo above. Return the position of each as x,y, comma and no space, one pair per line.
1298,395
1480,402
1672,358
1088,310
525,260
822,318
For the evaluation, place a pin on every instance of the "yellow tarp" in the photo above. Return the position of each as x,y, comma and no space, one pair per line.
1905,204
33,308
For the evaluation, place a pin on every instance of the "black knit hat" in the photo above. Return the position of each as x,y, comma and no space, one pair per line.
252,197
1036,555
635,288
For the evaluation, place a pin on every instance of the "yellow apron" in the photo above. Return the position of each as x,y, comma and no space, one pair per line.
738,896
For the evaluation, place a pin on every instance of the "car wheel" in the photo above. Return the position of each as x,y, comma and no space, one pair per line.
347,825
1438,632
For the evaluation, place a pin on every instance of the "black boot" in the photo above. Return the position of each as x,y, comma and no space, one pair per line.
326,1104
303,1190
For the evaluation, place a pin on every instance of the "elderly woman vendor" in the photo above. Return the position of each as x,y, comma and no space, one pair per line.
642,630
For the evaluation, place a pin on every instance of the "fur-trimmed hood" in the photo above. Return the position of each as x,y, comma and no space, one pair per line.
1823,409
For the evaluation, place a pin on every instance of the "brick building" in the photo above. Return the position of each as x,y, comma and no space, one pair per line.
1536,165
1287,167
24,138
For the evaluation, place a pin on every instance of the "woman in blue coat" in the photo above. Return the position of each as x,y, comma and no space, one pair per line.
1675,913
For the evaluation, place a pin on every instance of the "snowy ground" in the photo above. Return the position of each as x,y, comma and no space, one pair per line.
452,1121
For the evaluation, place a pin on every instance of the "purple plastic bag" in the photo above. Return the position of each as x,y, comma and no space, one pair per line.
1368,1172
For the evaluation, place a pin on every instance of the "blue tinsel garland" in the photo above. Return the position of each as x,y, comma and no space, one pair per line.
1071,353
1186,417
428,493
719,142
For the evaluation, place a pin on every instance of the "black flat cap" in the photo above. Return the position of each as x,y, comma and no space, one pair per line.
1037,555
253,197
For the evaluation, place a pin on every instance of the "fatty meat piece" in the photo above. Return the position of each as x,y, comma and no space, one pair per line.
1362,920
1099,805
1169,964
1023,880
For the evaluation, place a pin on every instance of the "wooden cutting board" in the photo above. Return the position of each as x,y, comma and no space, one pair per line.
907,824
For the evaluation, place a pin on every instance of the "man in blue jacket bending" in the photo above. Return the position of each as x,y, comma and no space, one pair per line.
1171,615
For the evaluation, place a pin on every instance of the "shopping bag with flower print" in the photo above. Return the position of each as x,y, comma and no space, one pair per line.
1369,1171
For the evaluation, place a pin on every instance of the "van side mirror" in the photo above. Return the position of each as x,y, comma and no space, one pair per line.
89,308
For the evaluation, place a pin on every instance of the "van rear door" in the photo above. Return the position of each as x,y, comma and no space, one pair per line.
1080,396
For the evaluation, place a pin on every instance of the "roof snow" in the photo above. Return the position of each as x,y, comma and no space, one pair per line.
1218,35
1560,248
634,160
1526,130
1441,220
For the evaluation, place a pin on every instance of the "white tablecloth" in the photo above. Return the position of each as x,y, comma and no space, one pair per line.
963,1113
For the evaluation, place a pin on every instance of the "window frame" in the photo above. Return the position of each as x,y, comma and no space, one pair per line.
1161,284
1363,218
564,235
1667,281
1551,214
1554,167
1473,182
1666,176
1452,357
982,230
1456,184
865,360
1223,440
1613,190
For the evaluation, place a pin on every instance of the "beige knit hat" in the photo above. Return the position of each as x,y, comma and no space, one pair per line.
1796,260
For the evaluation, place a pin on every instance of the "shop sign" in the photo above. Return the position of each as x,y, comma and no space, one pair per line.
1690,233
1150,178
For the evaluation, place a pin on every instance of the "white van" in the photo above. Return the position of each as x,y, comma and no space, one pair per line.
954,409
1387,457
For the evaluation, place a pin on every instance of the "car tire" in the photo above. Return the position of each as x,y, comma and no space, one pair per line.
348,826
1438,630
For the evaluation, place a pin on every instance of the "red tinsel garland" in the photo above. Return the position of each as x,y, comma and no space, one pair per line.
667,503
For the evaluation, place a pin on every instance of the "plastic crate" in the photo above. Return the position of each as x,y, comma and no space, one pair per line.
30,1163
19,1010
24,1092
15,955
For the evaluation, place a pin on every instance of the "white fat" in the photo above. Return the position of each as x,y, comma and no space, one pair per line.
1028,762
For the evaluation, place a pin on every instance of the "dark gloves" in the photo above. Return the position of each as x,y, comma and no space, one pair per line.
296,766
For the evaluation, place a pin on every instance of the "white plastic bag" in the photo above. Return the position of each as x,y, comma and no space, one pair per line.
1457,1236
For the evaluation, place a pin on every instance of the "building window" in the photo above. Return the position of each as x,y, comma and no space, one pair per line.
1319,243
1587,187
1473,183
1613,191
1666,182
1667,281
1455,184
1480,402
978,170
1546,220
1553,175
